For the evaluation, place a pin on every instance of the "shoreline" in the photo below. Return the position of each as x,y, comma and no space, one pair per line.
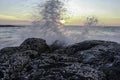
34,59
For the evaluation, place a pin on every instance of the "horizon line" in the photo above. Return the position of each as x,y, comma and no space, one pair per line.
63,25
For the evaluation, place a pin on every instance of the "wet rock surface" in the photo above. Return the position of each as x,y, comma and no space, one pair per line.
34,44
35,60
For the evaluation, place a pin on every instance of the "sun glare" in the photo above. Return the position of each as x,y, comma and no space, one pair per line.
62,21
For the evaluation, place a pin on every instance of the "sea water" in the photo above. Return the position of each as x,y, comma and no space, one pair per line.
14,36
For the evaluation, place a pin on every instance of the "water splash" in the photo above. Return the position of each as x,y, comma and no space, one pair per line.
90,22
51,28
47,24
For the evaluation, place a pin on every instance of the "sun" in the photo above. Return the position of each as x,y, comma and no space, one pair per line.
62,21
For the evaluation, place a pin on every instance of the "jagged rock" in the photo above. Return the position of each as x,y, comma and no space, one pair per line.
85,45
17,64
85,71
113,69
35,44
87,60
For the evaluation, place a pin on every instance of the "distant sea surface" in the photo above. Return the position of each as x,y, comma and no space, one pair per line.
14,36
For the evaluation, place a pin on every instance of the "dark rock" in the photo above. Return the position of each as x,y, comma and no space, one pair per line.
9,50
35,44
31,53
85,71
35,60
85,45
113,70
1,74
6,53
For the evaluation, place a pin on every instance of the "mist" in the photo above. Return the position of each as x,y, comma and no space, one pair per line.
47,25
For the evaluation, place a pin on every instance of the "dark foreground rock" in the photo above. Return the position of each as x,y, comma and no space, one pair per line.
34,44
35,60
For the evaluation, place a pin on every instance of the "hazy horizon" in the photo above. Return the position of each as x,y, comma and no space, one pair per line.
19,12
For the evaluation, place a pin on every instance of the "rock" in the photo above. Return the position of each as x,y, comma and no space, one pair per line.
6,53
1,74
85,71
35,44
9,50
30,53
18,63
113,69
85,45
35,60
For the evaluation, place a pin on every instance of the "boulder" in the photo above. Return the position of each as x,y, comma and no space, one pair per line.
35,44
85,45
35,60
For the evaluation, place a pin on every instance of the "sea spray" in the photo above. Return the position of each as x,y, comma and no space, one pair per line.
90,22
51,14
48,26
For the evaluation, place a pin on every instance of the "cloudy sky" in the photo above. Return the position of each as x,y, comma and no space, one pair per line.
20,11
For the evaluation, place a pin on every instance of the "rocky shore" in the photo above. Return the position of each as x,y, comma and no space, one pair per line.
35,60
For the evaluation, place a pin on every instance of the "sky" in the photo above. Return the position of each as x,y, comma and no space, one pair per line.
20,12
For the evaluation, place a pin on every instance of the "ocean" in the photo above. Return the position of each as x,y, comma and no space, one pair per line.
14,36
